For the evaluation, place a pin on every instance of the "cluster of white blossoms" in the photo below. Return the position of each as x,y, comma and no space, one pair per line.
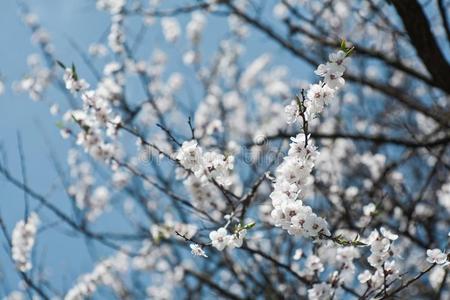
73,84
116,37
23,238
320,291
15,295
294,174
113,6
37,81
97,50
319,95
205,197
92,200
171,29
96,119
194,30
104,273
98,202
436,256
381,258
221,239
197,250
333,70
195,27
248,78
155,260
208,165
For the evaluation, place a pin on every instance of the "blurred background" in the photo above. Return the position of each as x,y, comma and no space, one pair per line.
73,26
384,140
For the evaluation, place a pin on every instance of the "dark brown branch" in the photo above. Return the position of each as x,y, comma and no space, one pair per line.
419,30
207,280
414,279
377,139
71,223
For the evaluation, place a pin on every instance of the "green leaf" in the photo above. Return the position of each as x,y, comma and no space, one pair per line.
344,242
74,72
343,45
358,243
249,225
349,51
60,125
239,227
59,63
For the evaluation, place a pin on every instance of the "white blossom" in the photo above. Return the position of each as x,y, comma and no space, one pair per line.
318,96
189,155
249,77
364,276
236,239
437,275
197,250
171,29
219,238
2,87
292,112
195,27
332,74
443,195
15,295
104,273
436,256
97,50
72,83
23,239
320,291
298,254
388,234
113,6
